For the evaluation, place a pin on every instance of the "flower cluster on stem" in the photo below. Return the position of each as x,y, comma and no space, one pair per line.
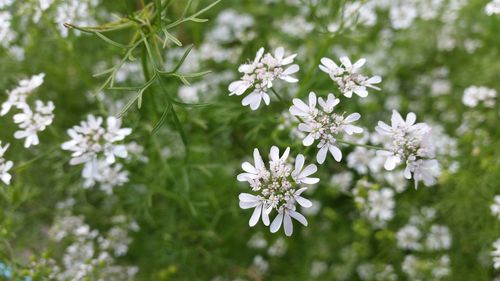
278,188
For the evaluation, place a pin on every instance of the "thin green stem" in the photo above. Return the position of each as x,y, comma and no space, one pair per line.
361,145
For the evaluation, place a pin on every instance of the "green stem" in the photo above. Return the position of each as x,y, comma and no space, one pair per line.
361,145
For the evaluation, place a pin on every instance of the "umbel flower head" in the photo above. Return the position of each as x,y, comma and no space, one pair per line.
5,165
260,75
17,97
347,77
90,142
323,124
278,188
30,123
409,142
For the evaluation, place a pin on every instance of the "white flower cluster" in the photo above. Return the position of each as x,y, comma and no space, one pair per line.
492,8
77,12
426,269
496,254
376,204
30,121
7,35
475,95
260,75
409,142
347,78
438,238
422,235
278,189
376,272
18,96
323,124
231,25
97,147
90,254
5,165
495,207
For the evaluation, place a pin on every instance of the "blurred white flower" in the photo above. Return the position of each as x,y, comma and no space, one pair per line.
77,12
323,125
260,75
347,77
7,35
5,165
380,207
18,96
474,95
495,207
30,123
260,264
496,254
107,175
408,238
277,189
439,238
343,180
278,248
492,8
402,15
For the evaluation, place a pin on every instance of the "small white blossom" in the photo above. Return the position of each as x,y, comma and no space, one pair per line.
278,188
323,125
347,77
408,238
30,123
409,142
473,95
380,208
5,165
402,15
261,74
18,96
495,207
91,143
492,8
439,238
496,254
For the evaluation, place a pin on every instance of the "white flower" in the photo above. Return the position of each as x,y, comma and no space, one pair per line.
30,123
323,125
278,248
409,142
408,238
260,75
278,188
402,15
492,8
495,207
343,180
439,238
17,97
422,170
473,95
496,254
5,165
107,175
347,77
381,205
91,142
